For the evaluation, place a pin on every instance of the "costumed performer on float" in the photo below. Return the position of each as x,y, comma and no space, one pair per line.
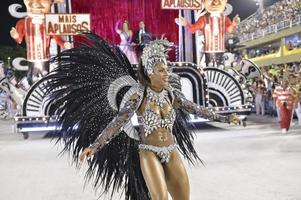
33,28
126,35
142,37
214,25
96,93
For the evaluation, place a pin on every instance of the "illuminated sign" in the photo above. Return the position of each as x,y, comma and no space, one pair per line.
67,24
182,4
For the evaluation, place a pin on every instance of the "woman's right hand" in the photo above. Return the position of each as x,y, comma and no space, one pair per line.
117,24
87,152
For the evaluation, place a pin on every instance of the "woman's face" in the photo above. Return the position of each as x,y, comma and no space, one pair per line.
125,26
159,78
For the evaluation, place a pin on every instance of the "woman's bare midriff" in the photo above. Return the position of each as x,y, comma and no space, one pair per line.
160,137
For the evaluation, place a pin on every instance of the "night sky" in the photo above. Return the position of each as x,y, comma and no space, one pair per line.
242,7
6,22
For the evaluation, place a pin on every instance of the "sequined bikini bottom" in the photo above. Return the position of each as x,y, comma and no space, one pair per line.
162,152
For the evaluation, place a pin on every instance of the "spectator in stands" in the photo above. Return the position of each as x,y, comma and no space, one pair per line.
290,46
259,97
298,107
269,97
294,67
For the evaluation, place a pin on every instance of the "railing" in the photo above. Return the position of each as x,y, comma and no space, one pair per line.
271,29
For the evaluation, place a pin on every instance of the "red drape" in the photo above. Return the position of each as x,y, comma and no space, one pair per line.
105,13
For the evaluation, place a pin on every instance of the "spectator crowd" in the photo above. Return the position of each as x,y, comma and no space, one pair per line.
275,14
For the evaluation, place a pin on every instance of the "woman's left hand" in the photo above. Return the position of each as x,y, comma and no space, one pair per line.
87,153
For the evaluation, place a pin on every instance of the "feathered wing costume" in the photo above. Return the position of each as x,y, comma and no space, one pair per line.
89,86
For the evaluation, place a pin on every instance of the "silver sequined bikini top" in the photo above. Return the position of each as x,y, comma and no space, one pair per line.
151,120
